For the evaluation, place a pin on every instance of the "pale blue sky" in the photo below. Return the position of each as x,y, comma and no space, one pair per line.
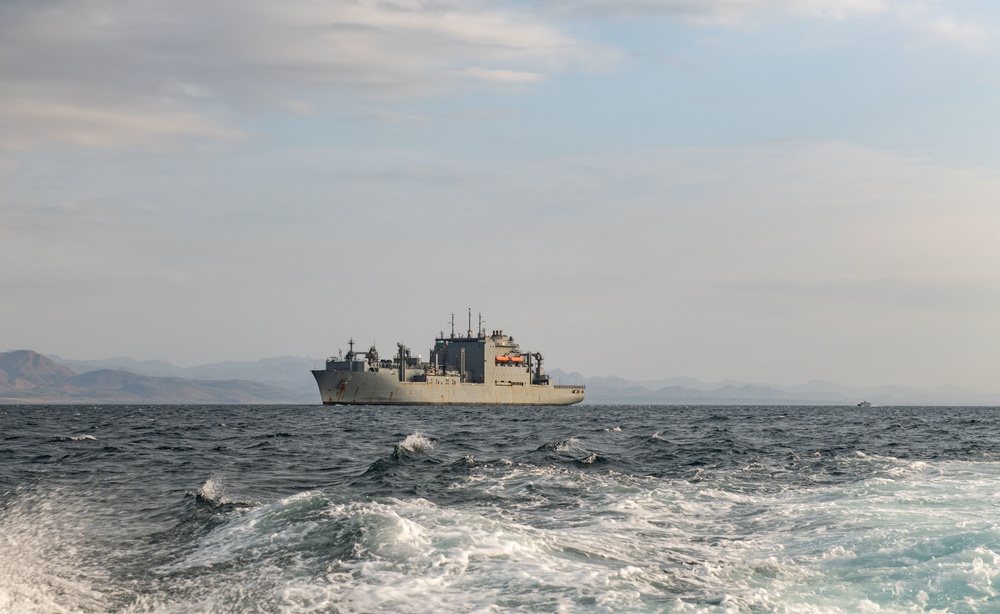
765,190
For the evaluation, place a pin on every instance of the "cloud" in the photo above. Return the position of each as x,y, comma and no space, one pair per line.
113,73
108,73
949,29
925,18
504,76
723,12
28,123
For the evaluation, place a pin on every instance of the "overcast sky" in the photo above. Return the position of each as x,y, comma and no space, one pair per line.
765,190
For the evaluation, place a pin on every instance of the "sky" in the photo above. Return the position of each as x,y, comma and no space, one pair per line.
762,190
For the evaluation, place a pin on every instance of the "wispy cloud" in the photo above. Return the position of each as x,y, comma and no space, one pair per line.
27,123
722,12
109,72
924,18
504,76
950,29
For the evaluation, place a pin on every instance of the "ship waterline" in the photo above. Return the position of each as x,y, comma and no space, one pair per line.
474,369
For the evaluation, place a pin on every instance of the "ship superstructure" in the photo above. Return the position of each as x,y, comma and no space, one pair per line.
472,369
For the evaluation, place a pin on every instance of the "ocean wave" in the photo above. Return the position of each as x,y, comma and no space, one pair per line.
78,438
795,511
593,459
416,442
413,445
571,444
628,544
46,559
215,492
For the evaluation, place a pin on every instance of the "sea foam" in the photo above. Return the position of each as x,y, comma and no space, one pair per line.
46,561
792,510
416,442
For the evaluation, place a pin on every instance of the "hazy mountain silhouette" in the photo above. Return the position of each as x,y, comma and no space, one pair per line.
27,370
686,390
290,372
26,376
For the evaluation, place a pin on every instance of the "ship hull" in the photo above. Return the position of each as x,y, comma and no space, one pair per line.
383,388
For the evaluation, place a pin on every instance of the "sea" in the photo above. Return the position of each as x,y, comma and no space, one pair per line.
588,508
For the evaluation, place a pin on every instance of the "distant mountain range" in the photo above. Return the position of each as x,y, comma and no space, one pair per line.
29,377
285,372
689,391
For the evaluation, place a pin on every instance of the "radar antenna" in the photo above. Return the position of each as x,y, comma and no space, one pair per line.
540,376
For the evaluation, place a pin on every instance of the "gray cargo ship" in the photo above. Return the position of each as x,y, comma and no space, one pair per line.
474,369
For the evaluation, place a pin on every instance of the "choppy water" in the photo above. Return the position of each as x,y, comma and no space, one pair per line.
580,509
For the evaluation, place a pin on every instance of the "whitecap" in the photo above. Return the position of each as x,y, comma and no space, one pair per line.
215,492
210,490
567,445
416,442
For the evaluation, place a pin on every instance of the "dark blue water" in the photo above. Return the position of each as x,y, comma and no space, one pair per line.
587,508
